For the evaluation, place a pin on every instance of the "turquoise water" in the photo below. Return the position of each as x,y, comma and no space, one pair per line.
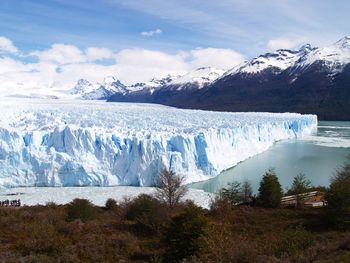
317,156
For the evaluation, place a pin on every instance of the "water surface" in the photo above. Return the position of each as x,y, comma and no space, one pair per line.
317,156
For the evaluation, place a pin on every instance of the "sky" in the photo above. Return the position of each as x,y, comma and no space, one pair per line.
57,42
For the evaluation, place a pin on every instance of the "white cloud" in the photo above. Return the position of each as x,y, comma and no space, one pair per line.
151,33
60,54
61,65
284,43
150,58
8,65
135,65
6,45
95,53
215,57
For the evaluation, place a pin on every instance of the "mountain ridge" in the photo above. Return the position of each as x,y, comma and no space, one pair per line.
308,80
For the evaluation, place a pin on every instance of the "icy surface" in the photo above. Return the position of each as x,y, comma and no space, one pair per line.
97,195
93,143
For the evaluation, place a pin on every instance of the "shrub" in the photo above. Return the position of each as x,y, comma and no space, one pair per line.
232,193
142,205
111,204
41,238
81,209
219,206
338,197
270,190
292,241
183,236
226,246
145,210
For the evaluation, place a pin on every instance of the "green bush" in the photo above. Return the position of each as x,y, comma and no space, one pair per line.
338,197
300,185
81,209
183,236
270,190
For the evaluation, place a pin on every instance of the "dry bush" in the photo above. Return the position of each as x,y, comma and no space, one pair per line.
292,241
224,247
40,238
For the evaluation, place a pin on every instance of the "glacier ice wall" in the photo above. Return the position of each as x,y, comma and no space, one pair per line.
71,143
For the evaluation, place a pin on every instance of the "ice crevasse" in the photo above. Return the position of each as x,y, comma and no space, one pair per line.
80,143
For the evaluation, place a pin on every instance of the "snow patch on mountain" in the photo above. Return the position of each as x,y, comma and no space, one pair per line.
278,60
334,56
194,79
153,84
200,77
95,143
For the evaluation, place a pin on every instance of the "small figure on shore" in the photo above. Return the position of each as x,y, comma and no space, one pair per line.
7,203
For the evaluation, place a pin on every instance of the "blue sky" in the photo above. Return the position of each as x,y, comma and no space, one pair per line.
171,28
243,25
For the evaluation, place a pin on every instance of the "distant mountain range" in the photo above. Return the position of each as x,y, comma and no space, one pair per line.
308,80
99,91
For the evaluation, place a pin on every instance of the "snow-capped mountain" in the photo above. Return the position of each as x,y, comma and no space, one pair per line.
278,61
152,85
165,90
335,57
199,77
83,86
110,85
307,80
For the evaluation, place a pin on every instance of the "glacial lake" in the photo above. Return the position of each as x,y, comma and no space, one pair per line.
317,156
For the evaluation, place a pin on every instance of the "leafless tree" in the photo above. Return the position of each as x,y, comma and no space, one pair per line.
247,191
170,188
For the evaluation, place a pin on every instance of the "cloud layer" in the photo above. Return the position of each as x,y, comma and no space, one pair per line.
284,43
6,45
151,33
61,65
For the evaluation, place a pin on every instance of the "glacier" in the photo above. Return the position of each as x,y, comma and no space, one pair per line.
95,143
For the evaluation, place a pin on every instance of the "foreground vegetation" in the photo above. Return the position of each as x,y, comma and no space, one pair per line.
153,229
